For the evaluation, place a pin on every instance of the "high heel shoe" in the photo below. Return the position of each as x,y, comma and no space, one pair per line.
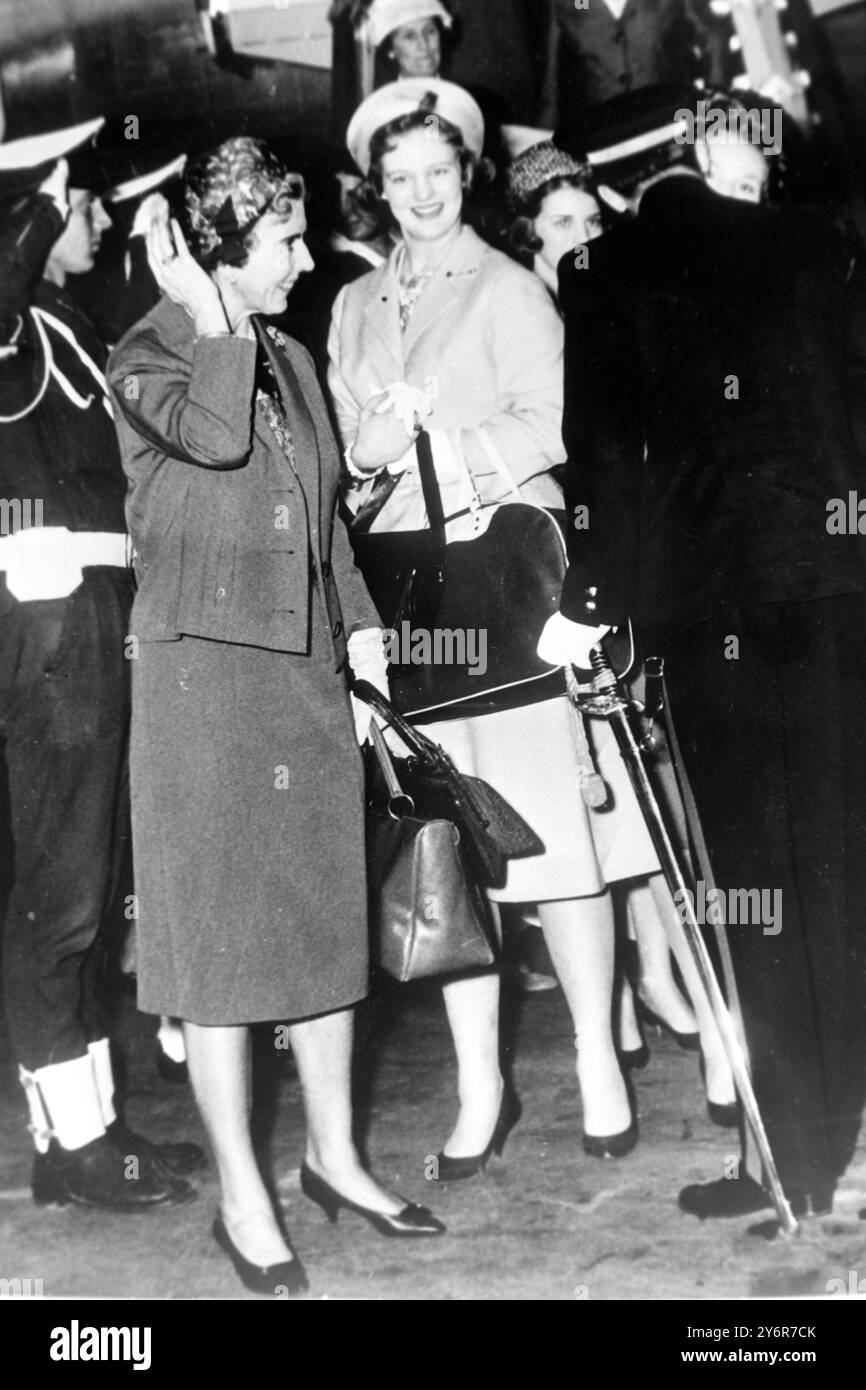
611,1145
169,1069
633,1058
269,1279
725,1116
413,1220
450,1169
689,1042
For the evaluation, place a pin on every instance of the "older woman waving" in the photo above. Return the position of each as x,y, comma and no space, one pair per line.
246,779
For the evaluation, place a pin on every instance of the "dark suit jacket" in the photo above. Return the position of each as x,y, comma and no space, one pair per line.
225,533
703,492
654,41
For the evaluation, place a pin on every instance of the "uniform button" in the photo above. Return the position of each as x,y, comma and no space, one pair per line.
590,606
337,629
592,591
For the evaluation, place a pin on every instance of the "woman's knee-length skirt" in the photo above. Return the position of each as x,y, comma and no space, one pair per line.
530,756
248,834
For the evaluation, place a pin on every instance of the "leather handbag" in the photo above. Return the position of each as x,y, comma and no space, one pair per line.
501,586
427,916
491,831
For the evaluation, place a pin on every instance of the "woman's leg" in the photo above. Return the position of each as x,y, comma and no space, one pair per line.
472,1006
657,987
219,1068
580,938
628,1032
323,1053
719,1078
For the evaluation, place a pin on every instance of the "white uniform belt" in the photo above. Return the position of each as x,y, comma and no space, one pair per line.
82,548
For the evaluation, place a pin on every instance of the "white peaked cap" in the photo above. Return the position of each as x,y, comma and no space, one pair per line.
145,183
34,150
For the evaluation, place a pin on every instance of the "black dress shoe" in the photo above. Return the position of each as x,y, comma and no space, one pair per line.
689,1042
287,1278
98,1175
180,1159
450,1169
411,1221
611,1145
727,1197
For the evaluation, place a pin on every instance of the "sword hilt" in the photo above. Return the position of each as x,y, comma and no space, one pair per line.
603,677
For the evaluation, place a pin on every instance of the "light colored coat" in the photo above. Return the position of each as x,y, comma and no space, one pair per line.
487,337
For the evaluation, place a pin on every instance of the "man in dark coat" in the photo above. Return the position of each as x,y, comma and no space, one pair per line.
609,47
65,596
715,423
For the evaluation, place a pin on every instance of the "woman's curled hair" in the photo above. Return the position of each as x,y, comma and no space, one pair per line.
227,192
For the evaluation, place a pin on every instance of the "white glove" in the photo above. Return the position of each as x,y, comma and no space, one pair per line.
411,404
368,662
564,643
152,208
37,566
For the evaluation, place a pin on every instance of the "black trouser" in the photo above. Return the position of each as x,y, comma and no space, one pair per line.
64,720
775,746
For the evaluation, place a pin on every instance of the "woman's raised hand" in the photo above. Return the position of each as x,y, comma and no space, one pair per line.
181,277
382,435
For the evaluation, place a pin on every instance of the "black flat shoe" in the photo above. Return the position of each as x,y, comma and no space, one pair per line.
450,1169
413,1220
611,1145
689,1042
286,1279
725,1116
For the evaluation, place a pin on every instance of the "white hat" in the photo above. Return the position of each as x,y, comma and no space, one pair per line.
408,94
517,139
35,150
145,183
384,16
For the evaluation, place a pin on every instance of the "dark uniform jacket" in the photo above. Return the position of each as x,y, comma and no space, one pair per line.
653,41
715,403
228,538
58,445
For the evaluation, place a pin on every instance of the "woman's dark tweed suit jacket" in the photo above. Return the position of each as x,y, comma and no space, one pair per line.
227,538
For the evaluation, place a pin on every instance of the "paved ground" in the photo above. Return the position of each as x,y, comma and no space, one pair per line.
546,1222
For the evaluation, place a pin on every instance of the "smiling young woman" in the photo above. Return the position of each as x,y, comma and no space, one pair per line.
449,309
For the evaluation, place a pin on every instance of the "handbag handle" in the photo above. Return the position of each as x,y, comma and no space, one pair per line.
430,485
423,747
400,803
